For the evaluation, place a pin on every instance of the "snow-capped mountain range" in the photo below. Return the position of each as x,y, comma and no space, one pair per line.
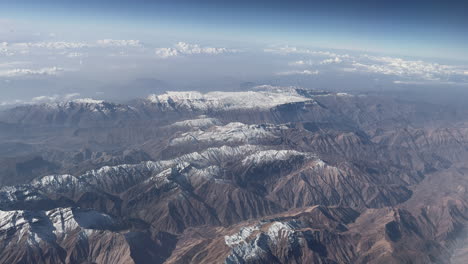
271,175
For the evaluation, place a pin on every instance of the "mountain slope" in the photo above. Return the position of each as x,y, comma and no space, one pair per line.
272,175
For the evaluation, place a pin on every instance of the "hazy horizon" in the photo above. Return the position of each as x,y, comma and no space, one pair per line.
118,50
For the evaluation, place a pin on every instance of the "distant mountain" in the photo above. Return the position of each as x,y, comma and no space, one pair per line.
270,175
75,112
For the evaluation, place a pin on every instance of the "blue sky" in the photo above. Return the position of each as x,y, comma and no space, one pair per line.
417,28
57,48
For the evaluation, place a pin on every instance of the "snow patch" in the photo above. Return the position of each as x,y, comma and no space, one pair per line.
241,236
266,156
202,122
230,133
279,229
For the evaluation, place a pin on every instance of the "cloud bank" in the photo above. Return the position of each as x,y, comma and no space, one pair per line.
411,71
304,72
182,48
31,72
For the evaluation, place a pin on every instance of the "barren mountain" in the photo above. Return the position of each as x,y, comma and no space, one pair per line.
272,175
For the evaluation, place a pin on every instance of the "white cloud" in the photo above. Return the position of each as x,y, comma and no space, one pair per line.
62,45
166,52
52,45
183,48
53,98
13,63
76,55
407,68
186,48
304,72
41,99
4,50
294,50
119,43
44,98
430,83
21,48
335,60
30,72
119,54
301,63
70,96
11,103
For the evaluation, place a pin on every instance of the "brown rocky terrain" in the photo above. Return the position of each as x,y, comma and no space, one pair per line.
192,178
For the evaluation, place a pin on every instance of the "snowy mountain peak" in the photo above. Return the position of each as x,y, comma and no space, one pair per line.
230,133
262,99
